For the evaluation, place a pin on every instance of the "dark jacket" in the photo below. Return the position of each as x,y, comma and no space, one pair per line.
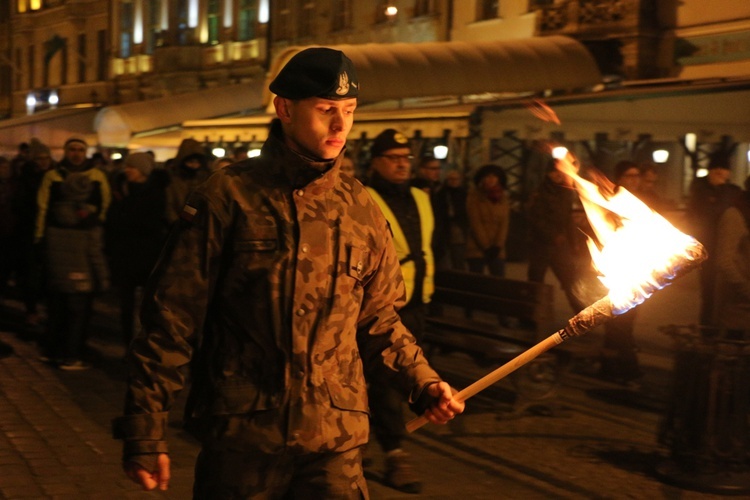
136,228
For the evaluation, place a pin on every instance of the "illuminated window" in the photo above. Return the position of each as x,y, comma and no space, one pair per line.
488,9
246,20
22,6
126,29
183,29
342,15
214,21
152,25
35,4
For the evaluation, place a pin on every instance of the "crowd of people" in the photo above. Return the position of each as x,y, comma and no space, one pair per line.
297,292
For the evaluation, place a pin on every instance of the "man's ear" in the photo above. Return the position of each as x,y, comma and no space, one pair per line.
282,109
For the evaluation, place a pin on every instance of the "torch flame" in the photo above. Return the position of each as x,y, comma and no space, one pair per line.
636,249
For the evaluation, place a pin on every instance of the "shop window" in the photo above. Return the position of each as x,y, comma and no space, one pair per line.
246,20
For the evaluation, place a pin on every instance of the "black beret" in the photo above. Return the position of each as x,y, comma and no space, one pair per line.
388,139
317,72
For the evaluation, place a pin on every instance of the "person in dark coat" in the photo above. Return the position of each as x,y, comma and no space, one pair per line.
552,233
30,276
135,231
709,197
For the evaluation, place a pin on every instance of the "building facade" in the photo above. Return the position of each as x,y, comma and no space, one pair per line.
156,71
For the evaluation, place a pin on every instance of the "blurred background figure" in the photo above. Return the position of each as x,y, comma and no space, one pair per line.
427,177
451,223
619,357
732,262
239,153
488,213
347,165
190,168
30,275
552,233
709,197
135,231
9,242
73,201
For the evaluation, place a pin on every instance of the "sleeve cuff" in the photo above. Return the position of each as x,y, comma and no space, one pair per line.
148,427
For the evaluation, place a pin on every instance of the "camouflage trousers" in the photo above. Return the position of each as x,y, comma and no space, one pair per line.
231,474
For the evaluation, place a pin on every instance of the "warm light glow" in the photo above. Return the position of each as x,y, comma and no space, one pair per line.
440,152
218,152
228,11
660,156
691,142
263,11
391,11
116,156
193,13
701,172
138,22
30,103
35,4
54,99
634,245
559,152
164,16
253,153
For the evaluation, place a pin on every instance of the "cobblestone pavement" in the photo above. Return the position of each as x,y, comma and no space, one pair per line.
595,440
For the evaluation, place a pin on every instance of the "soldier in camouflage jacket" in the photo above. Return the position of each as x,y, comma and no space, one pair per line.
280,287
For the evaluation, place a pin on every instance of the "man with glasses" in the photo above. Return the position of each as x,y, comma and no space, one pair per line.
409,213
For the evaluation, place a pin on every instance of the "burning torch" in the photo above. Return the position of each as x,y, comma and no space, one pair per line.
636,252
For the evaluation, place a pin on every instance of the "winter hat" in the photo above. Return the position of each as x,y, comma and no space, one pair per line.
317,72
491,169
143,162
37,149
75,139
388,139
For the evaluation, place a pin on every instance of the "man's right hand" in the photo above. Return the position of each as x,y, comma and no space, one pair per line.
150,480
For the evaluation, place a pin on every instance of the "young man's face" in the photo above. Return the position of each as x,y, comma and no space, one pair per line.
315,126
75,152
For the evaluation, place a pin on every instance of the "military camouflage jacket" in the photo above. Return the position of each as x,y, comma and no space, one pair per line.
280,288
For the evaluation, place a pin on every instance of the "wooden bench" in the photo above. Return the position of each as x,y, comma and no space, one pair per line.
493,320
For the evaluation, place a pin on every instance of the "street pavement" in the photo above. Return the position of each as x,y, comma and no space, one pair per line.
593,440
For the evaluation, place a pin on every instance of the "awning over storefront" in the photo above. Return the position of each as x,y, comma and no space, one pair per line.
116,125
403,70
51,127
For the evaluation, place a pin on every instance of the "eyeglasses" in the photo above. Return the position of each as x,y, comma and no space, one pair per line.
398,157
